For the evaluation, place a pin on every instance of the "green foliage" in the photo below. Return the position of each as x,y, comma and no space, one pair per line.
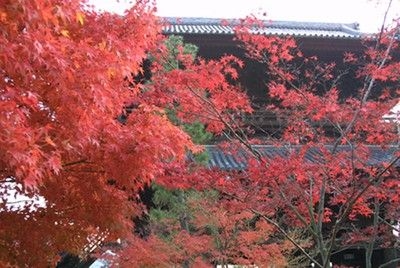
175,46
166,217
177,207
199,135
197,131
175,210
168,201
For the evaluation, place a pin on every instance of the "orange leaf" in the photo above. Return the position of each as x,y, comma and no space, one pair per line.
65,33
80,17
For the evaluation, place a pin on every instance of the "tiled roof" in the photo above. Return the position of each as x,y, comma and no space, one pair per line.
282,28
223,160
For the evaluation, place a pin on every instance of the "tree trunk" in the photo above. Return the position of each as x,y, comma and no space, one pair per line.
369,249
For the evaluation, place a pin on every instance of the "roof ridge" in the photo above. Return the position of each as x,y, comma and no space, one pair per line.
196,25
272,23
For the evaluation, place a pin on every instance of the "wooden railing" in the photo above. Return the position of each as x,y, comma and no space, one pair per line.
263,121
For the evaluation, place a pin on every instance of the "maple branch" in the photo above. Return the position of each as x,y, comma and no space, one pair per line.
367,90
244,136
85,171
384,22
321,207
264,132
388,224
7,180
197,114
298,215
298,90
21,201
257,213
221,118
370,245
369,184
386,264
310,205
352,201
288,81
316,227
343,248
299,247
77,162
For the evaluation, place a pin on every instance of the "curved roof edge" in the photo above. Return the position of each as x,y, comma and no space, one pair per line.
226,160
219,26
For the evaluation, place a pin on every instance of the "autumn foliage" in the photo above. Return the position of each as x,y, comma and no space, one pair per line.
67,74
326,181
82,130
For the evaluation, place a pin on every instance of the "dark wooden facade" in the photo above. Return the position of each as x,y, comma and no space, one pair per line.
327,41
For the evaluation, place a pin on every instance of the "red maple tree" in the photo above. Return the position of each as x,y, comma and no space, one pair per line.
67,74
324,180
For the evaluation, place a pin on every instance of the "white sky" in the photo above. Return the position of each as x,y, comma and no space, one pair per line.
16,200
369,13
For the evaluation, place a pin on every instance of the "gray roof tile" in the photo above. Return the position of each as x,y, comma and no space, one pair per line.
228,161
281,28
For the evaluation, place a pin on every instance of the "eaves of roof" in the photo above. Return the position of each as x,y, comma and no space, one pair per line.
221,159
202,26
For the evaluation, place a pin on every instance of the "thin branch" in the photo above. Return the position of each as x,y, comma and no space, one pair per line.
388,224
9,179
257,213
350,203
299,247
384,21
367,90
86,170
226,124
77,162
299,216
321,207
389,263
370,245
21,201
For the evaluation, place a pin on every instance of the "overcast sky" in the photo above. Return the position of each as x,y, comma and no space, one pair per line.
369,13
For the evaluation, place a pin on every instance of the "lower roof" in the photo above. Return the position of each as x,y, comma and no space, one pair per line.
222,159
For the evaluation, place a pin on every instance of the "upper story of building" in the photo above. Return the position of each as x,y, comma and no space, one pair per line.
216,37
